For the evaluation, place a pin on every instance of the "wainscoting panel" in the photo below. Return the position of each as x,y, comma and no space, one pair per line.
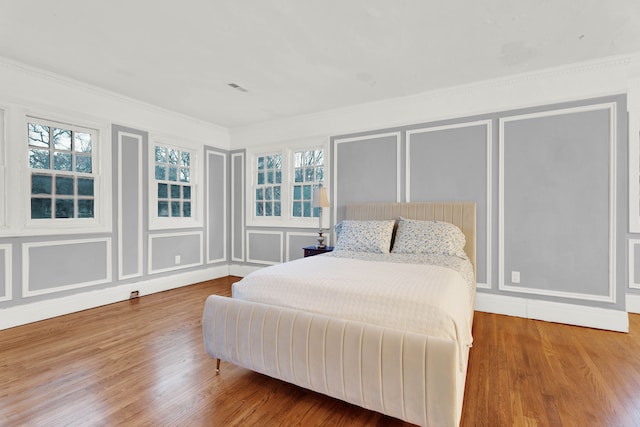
634,263
216,207
174,251
6,278
264,247
55,266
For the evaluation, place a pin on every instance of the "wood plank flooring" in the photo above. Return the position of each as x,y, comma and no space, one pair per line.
142,362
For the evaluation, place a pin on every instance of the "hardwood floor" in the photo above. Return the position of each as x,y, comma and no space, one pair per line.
142,362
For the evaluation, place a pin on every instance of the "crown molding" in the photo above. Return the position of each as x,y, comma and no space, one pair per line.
87,87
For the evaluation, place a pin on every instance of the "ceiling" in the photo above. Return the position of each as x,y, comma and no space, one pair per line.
299,56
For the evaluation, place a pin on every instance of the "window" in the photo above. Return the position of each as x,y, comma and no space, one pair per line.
308,174
268,187
62,176
282,184
173,169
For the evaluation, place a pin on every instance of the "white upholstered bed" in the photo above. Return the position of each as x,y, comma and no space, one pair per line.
391,337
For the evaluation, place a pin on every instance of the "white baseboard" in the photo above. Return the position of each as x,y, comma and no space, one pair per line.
243,270
33,312
571,314
633,303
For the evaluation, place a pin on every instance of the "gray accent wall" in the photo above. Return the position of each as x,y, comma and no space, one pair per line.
550,183
51,266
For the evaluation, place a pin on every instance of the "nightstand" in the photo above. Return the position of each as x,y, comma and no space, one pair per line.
313,250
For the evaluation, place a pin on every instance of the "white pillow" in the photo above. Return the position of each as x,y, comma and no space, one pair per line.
428,237
364,236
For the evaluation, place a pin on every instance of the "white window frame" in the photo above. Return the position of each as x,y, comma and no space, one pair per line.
196,180
53,173
314,184
18,220
288,169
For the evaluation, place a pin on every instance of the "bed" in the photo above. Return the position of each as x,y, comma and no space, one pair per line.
383,331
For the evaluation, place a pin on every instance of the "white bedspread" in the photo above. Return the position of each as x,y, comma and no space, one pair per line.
427,299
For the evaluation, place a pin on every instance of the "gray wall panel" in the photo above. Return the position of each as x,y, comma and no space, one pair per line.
3,269
451,164
366,171
131,209
164,250
65,264
237,189
216,206
264,247
556,202
636,264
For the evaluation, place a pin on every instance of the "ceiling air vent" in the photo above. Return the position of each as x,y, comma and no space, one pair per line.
238,87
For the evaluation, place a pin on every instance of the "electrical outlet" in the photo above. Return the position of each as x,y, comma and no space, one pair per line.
134,294
515,277
177,259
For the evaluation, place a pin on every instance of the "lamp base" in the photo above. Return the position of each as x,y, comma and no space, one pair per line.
320,244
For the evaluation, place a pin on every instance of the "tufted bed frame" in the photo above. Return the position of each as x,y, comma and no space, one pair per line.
414,377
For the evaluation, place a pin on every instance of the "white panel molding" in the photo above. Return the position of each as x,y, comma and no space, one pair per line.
489,165
611,292
224,210
327,240
40,310
27,292
139,218
633,303
571,314
5,250
633,109
337,142
235,192
261,261
631,263
179,266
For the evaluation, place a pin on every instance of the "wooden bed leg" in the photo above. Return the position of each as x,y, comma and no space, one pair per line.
217,366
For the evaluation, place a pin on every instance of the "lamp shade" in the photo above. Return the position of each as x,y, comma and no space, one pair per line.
320,199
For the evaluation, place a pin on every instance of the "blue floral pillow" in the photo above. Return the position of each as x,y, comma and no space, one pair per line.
428,237
364,236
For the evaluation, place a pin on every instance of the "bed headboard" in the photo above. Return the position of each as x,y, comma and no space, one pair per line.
461,214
